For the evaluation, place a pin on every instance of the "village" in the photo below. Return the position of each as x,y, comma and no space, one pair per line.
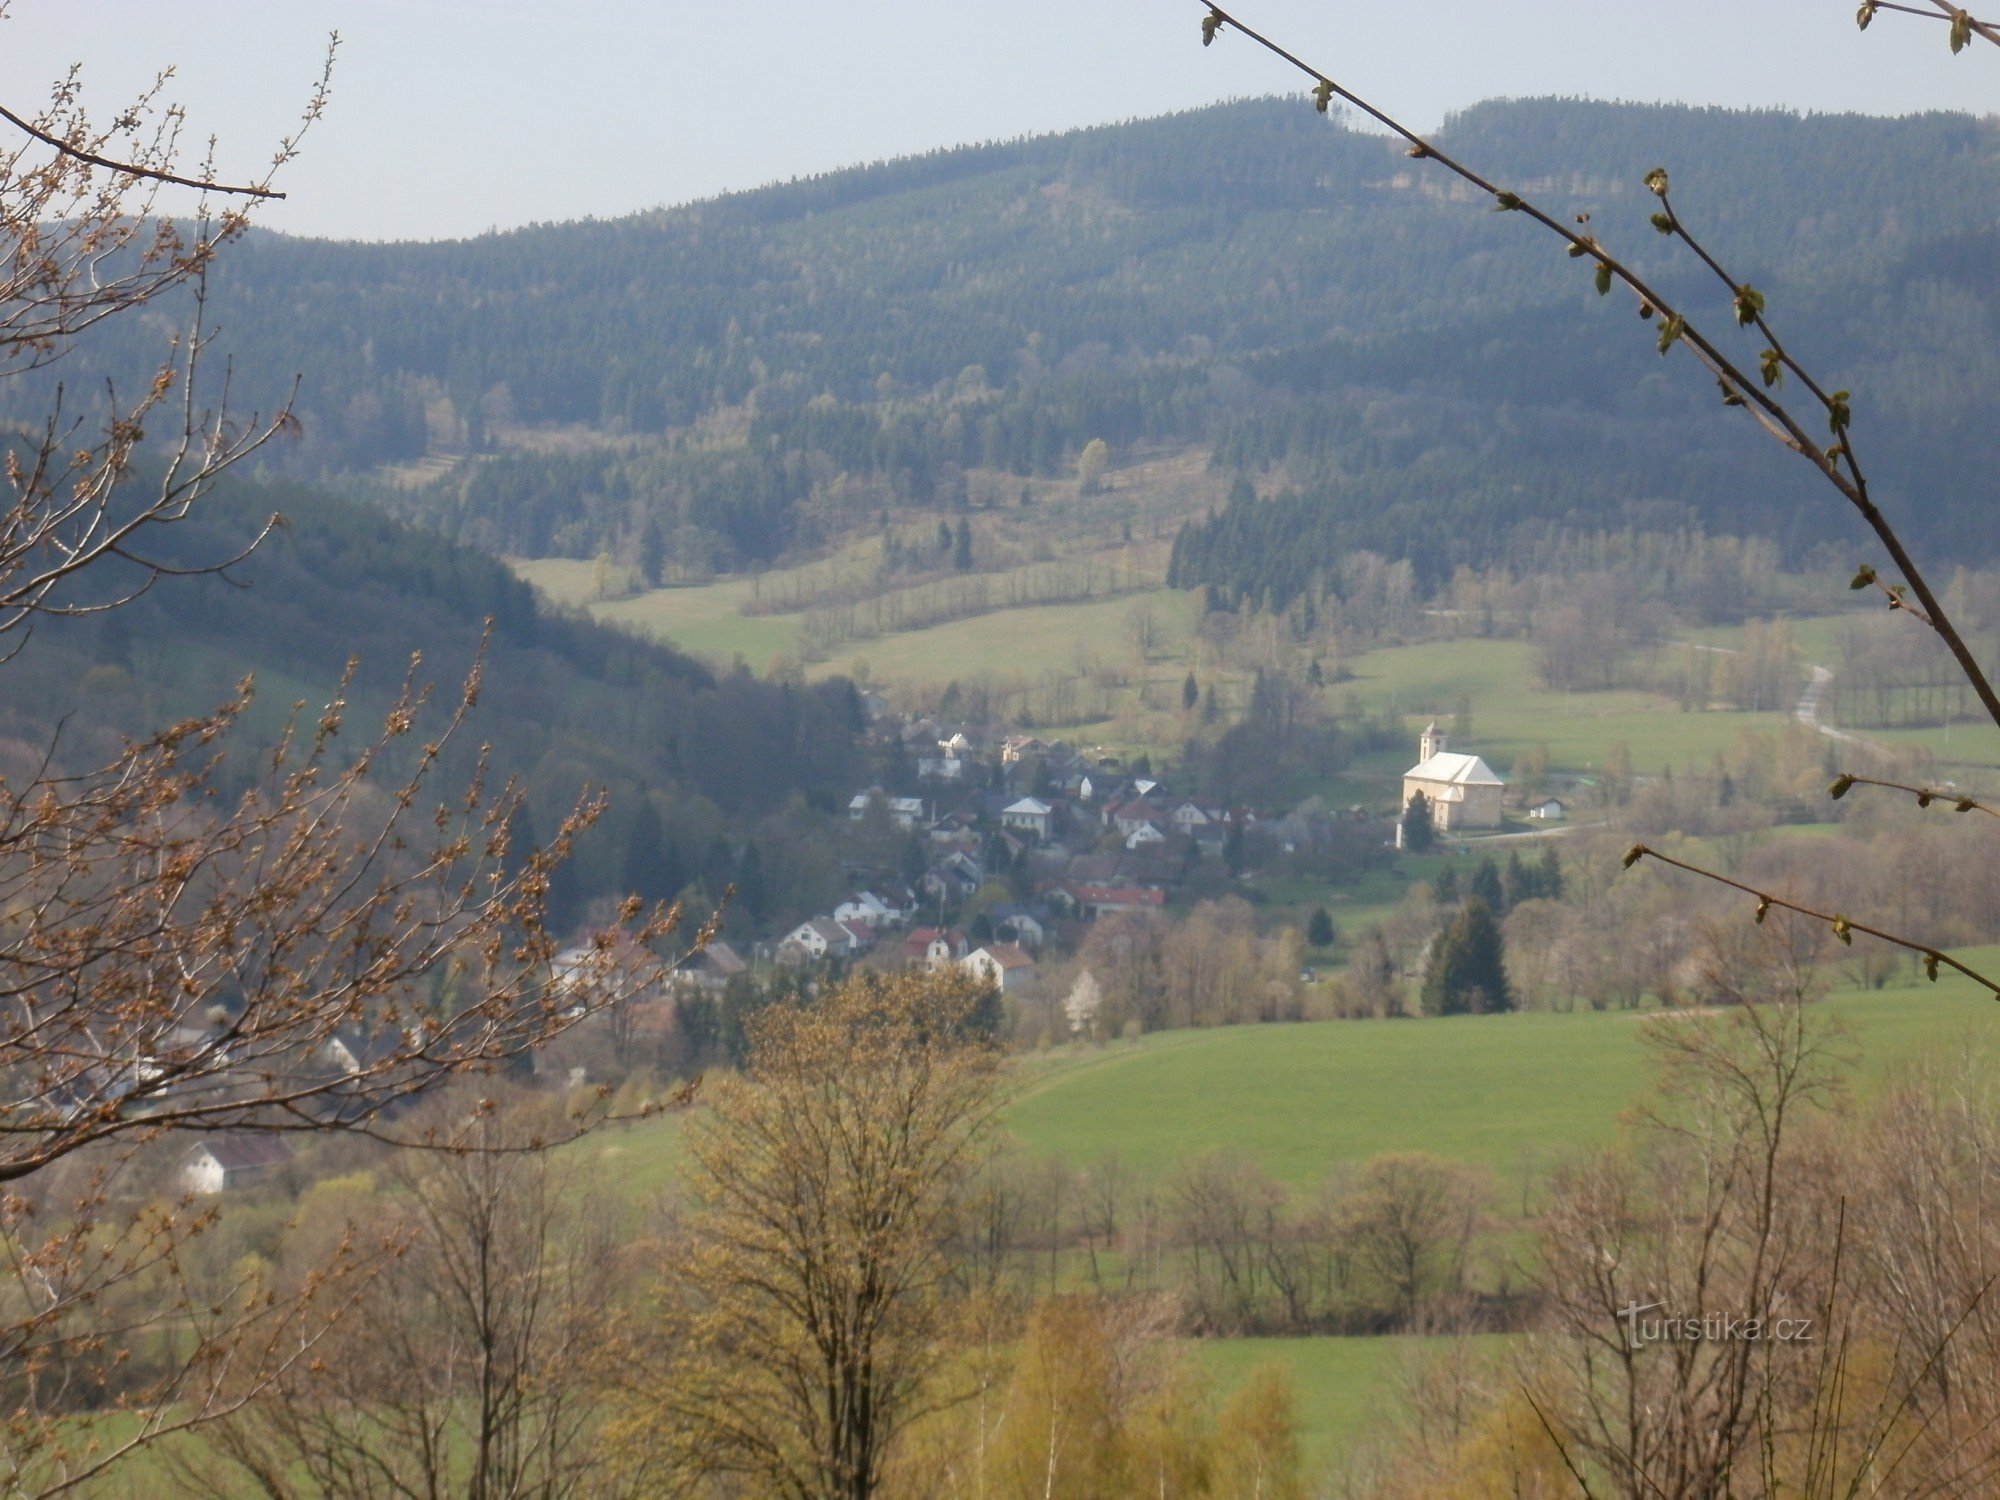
1027,841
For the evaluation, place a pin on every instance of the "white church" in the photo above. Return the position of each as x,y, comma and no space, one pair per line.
1463,790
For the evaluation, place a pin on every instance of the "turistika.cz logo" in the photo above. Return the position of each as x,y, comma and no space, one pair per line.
1650,1323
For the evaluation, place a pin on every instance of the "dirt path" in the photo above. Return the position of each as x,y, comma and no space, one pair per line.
1807,713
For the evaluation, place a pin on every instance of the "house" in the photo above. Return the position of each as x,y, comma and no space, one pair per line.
1145,833
940,768
934,947
1017,747
1090,901
1548,810
1190,817
1462,789
1130,816
1003,965
1031,816
958,874
873,910
350,1050
823,937
236,1160
712,968
612,965
907,812
1025,925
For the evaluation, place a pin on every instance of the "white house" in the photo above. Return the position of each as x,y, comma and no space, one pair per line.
1463,790
1145,833
868,907
907,811
822,936
1030,815
1025,925
1004,965
222,1162
941,767
1548,810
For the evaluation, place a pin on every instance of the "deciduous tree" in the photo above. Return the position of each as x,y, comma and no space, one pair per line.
810,1299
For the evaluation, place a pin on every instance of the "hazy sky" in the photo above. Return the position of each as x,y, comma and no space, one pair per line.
451,117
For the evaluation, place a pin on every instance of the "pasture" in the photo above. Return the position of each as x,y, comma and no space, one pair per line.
1509,1094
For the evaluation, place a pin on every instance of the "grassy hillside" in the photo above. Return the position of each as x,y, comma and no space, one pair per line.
1509,1094
1341,1384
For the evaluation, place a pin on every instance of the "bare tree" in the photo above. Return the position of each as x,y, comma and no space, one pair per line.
808,1305
303,956
467,1365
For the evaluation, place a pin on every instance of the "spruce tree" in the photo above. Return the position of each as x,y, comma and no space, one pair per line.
1319,929
1468,971
652,551
1190,693
1445,887
1418,834
1483,976
1485,886
1550,886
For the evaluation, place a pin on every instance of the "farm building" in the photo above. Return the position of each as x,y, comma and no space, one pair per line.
223,1162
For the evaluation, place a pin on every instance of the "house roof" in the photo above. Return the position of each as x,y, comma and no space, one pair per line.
246,1153
1032,807
1452,769
719,958
1009,955
1119,895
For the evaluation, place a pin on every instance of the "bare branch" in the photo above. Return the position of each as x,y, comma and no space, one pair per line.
1842,927
1755,395
131,169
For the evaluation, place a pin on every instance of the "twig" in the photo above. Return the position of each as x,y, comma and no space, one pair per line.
1925,795
1844,928
1964,25
130,169
1739,388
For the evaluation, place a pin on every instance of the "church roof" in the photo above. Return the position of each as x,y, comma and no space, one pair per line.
1453,769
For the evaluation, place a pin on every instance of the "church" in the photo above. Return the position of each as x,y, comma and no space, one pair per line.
1463,791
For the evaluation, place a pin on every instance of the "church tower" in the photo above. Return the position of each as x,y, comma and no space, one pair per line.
1430,742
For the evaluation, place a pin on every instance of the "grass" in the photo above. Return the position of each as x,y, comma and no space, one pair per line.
1508,1094
1505,1093
1341,1385
1017,642
1512,711
703,620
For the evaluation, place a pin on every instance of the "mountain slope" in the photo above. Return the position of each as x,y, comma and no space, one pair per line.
1250,276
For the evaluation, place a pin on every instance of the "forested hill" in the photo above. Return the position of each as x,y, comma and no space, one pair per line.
711,777
779,364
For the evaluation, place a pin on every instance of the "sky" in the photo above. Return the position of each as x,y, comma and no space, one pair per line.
455,117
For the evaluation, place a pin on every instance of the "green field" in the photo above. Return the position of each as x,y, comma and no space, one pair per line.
1509,1094
1512,711
1505,1093
704,620
1341,1384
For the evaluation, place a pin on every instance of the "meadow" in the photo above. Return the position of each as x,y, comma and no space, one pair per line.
1509,1094
1512,1096
1343,1386
1512,711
